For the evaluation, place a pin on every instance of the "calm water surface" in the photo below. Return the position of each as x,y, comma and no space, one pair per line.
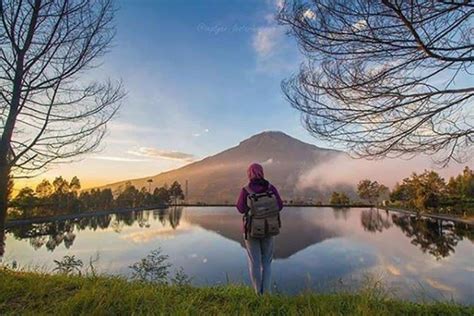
320,248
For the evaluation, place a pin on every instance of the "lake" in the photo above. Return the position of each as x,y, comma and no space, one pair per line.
323,249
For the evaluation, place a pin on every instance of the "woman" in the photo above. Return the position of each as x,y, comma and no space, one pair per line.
259,250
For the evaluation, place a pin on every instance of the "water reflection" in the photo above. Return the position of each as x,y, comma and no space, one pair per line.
375,220
434,236
297,234
328,245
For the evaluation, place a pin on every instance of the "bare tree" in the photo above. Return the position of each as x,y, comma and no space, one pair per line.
48,112
385,78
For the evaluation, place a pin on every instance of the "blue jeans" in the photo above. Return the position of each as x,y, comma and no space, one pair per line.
260,256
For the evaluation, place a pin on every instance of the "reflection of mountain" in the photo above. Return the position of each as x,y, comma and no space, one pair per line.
297,231
436,237
218,178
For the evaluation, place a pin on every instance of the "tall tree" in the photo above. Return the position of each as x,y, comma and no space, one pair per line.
44,189
61,186
75,185
176,192
371,190
48,113
385,78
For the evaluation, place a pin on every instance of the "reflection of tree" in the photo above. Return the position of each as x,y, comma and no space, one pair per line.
53,234
340,212
161,216
465,230
174,216
437,237
373,221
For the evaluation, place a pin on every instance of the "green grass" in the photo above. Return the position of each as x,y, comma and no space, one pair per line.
38,294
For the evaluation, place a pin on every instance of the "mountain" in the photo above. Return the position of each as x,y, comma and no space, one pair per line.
219,178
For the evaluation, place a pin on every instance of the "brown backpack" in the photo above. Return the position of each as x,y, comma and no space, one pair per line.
263,217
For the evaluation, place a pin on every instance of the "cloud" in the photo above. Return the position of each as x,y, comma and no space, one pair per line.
119,159
266,39
279,4
162,154
275,53
309,14
346,170
359,25
206,130
128,127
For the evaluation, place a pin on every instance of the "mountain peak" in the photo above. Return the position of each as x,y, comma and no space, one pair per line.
265,136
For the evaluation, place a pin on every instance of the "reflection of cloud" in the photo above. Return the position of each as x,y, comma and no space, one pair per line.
410,268
393,270
163,154
268,162
440,286
144,236
120,159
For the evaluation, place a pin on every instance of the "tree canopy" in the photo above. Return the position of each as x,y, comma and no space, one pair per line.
385,78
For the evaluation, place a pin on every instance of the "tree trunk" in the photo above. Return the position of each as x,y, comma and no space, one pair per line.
5,141
4,176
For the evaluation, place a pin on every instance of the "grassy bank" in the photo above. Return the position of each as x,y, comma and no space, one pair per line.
31,293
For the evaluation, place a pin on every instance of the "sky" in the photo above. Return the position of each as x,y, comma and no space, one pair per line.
200,77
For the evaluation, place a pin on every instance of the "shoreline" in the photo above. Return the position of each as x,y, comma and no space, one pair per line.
39,220
63,217
445,217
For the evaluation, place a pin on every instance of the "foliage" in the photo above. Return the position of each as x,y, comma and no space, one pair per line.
30,293
162,194
181,278
428,191
339,198
44,189
69,265
371,191
61,196
26,196
152,268
175,192
462,186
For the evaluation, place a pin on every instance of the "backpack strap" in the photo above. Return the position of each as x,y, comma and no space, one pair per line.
249,190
